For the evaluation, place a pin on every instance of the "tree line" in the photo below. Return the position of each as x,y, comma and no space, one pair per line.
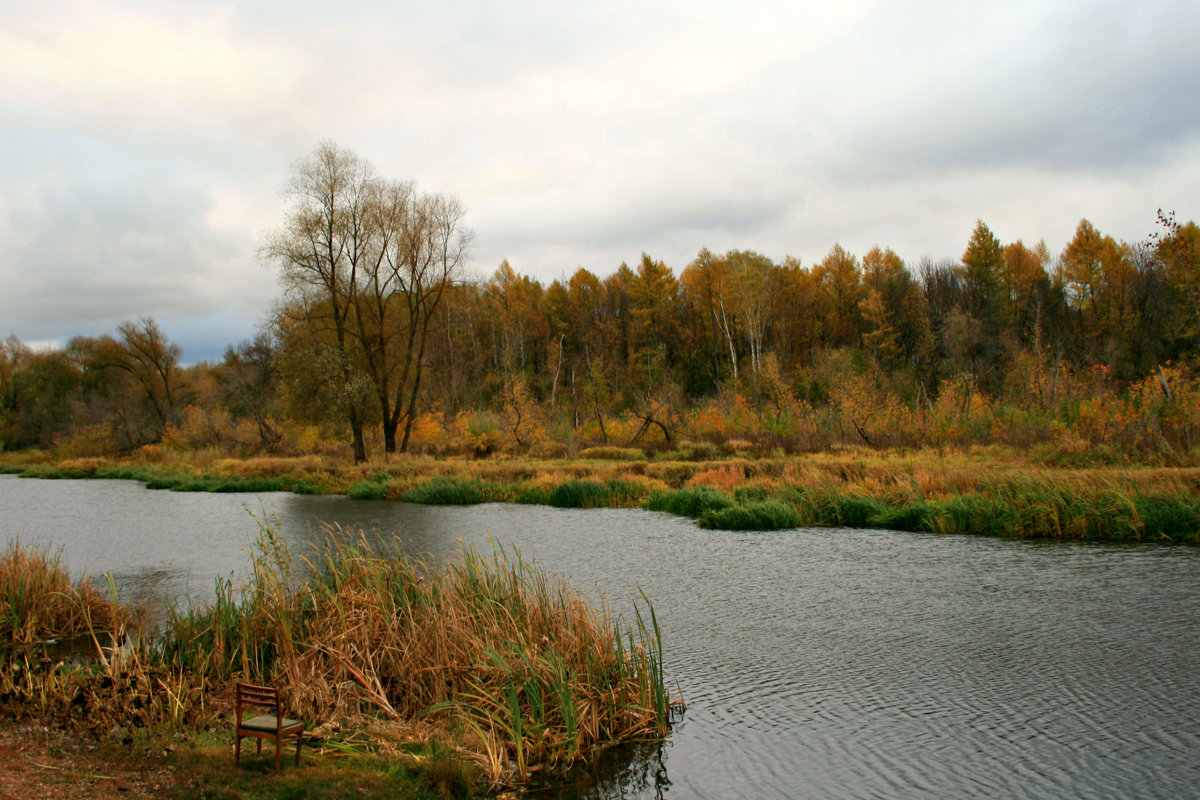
381,338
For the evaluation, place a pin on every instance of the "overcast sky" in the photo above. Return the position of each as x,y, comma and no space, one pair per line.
143,144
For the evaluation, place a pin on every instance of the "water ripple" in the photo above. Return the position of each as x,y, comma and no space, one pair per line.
815,663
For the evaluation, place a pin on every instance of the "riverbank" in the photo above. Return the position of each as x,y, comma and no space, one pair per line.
990,490
480,673
38,763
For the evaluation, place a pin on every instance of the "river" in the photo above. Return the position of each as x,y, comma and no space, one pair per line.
822,663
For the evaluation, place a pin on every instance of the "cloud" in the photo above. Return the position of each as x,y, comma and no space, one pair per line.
82,254
146,141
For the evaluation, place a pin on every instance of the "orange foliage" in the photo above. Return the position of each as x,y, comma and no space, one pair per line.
727,479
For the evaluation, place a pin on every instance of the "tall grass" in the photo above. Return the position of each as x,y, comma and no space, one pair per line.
532,677
38,601
444,490
761,515
690,502
535,676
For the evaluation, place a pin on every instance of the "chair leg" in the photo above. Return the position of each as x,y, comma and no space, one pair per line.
299,739
278,750
237,750
259,751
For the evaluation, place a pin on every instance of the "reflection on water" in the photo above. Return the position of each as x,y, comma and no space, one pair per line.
815,663
635,770
152,590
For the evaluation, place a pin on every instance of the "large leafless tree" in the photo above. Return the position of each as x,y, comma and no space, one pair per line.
369,261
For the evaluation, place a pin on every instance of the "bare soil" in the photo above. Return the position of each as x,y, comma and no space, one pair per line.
37,764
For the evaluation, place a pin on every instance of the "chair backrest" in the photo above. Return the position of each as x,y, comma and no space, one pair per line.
250,695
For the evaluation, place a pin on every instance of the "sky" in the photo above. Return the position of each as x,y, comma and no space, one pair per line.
144,144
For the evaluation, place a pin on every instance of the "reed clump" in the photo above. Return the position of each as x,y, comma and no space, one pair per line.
759,515
445,490
533,676
39,602
690,502
516,669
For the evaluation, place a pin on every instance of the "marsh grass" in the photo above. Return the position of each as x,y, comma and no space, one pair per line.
690,502
533,675
445,490
39,602
511,665
759,515
990,490
579,494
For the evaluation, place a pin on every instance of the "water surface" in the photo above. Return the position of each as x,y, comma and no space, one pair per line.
815,662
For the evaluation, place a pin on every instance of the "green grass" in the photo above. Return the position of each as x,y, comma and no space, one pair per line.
762,515
198,766
448,491
579,494
690,502
537,496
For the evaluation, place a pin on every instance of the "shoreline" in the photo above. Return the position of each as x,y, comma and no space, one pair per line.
983,491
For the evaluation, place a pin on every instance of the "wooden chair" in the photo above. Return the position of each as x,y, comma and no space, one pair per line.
265,726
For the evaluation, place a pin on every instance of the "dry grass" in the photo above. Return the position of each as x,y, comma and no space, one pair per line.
38,601
510,665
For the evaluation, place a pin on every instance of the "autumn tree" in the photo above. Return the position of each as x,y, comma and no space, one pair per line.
706,282
249,380
983,311
654,312
423,247
840,279
326,241
142,353
1099,277
801,323
1025,279
40,392
1177,247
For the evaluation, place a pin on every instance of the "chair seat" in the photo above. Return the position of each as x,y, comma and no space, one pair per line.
266,723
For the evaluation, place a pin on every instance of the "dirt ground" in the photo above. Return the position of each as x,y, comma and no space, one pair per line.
36,764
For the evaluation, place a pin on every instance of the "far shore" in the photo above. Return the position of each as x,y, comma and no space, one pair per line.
981,490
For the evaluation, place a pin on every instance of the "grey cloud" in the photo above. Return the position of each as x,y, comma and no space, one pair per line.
1100,90
83,257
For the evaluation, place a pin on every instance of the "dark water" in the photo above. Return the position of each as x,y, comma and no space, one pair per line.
815,663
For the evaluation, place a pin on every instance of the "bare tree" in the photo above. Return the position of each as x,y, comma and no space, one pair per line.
370,261
327,239
422,249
